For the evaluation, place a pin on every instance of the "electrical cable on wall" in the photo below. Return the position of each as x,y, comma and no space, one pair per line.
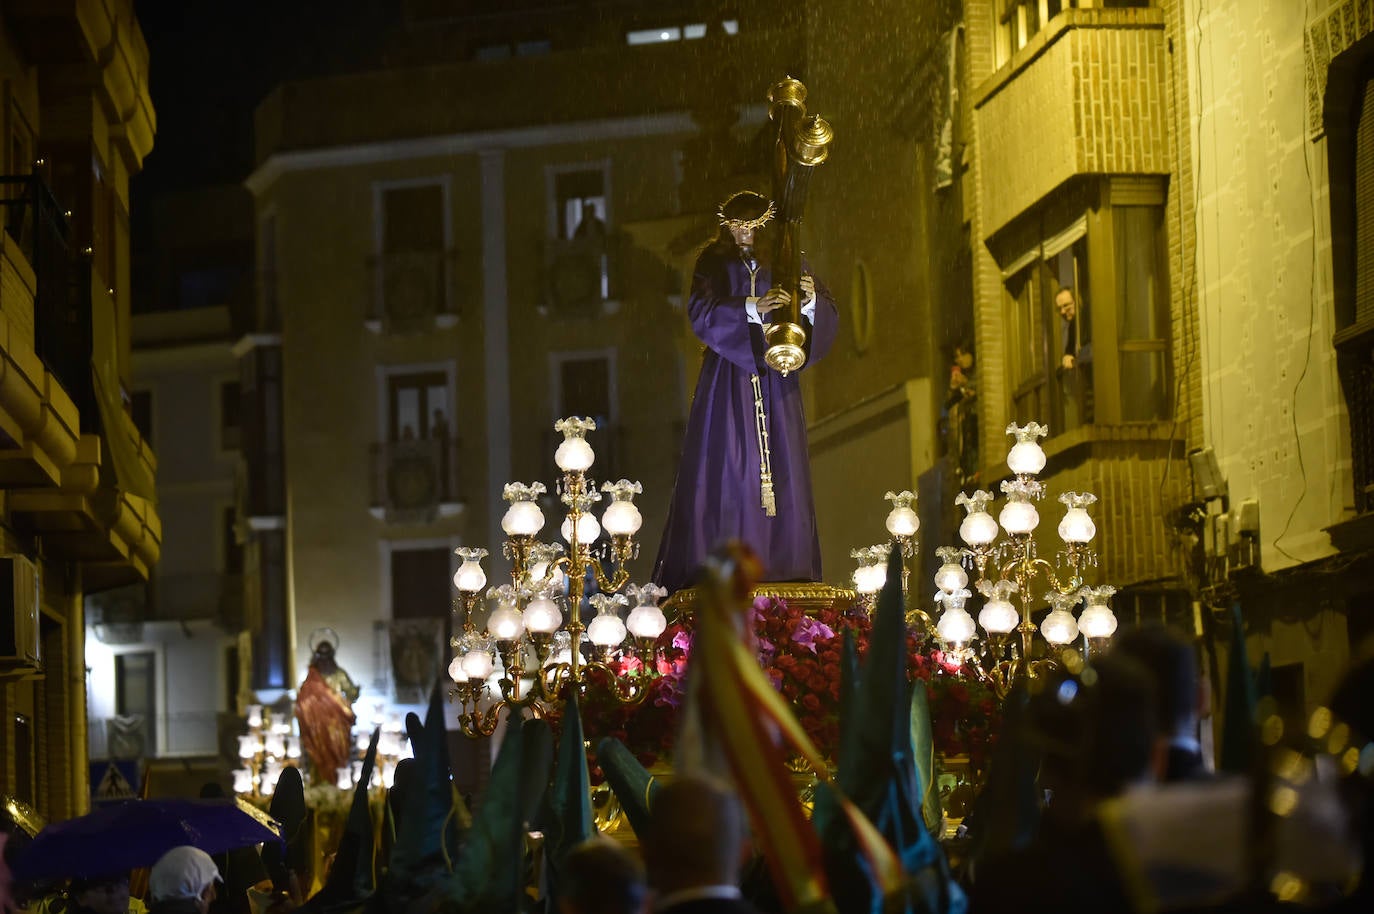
1311,316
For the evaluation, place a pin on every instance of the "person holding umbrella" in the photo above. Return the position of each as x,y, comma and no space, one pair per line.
183,882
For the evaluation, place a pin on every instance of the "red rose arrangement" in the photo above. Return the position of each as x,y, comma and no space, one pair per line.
801,654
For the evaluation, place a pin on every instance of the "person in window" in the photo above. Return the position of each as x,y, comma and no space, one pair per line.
960,414
1075,361
591,226
745,471
438,432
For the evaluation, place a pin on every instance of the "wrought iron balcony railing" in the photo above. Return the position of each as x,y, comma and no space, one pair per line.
415,481
413,291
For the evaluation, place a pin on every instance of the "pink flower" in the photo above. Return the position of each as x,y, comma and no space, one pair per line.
809,631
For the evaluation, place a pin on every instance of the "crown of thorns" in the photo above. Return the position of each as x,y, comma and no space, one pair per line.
757,222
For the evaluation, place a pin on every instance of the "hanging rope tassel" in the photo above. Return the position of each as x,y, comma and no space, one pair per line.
770,505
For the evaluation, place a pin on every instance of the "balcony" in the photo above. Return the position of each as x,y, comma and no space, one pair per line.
413,292
415,482
578,278
1086,94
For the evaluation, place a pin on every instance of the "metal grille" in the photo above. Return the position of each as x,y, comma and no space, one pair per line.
1357,377
1364,211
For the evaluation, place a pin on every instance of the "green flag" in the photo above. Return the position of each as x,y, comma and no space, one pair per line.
424,839
1238,734
490,875
570,803
632,784
923,754
878,771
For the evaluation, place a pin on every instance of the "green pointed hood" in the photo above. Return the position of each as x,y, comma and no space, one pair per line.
1238,734
490,874
632,784
570,801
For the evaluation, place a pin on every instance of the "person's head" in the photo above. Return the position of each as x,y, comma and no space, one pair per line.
1350,706
601,877
1172,664
1066,303
1098,733
963,355
743,214
184,873
107,894
695,836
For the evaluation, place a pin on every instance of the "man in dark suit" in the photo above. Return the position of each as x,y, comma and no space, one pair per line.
1179,694
693,849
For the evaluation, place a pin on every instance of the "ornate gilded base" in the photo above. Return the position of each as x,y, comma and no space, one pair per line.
811,597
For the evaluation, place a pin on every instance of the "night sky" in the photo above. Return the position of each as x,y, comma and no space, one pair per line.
212,62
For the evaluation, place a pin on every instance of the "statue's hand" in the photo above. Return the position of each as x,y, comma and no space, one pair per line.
773,299
808,289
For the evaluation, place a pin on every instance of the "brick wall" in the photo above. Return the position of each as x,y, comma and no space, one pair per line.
1097,92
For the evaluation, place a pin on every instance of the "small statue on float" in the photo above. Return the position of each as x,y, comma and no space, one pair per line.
324,707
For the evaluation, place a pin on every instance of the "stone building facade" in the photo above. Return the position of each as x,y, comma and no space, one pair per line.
79,508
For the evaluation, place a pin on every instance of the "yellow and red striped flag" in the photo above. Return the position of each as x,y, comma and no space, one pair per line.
737,716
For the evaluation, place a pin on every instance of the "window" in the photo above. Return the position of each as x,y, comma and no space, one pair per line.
421,621
581,203
136,691
1050,328
1087,309
584,388
419,406
577,258
420,583
1142,313
415,465
230,411
584,384
1348,117
1018,21
690,31
141,410
411,283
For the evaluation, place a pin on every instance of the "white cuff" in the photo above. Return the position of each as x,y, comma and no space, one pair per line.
751,308
809,310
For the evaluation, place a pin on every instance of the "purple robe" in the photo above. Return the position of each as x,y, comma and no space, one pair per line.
717,494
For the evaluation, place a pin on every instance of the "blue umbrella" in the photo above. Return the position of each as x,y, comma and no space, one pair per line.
136,833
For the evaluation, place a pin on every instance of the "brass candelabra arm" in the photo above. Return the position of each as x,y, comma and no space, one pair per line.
610,583
552,679
916,617
625,689
475,723
1025,567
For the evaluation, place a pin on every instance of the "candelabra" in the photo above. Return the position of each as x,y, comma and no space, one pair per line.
1002,550
542,655
902,524
393,745
269,746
